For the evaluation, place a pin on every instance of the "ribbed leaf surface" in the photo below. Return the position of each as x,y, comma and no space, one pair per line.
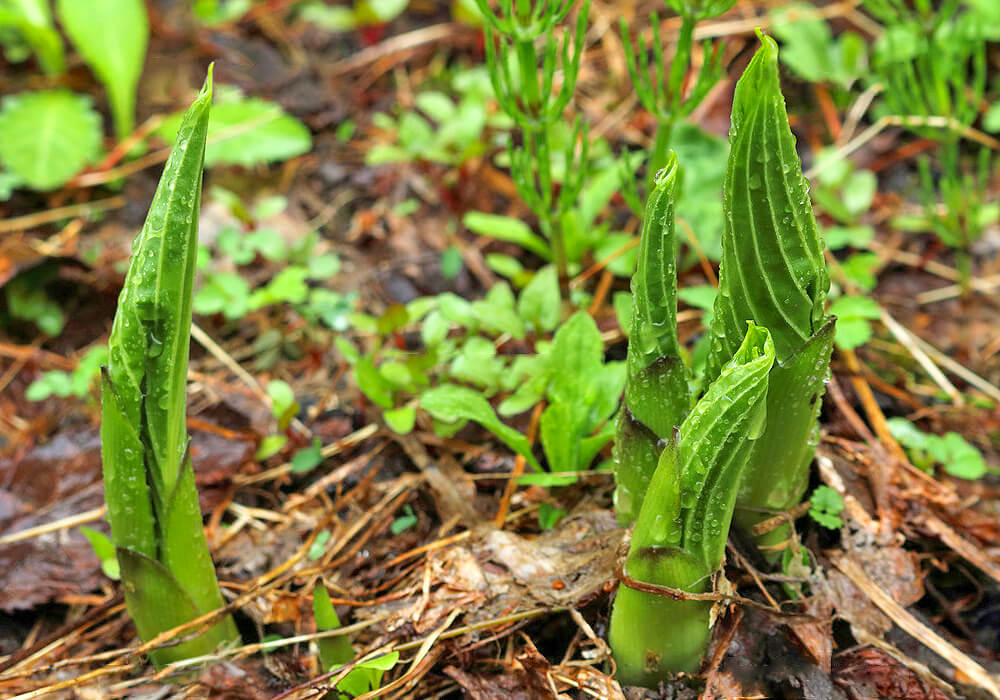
777,472
150,337
166,569
690,498
715,444
772,269
130,506
680,535
656,391
654,284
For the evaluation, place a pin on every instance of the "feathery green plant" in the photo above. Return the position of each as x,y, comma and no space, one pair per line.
166,570
748,441
932,62
661,95
530,98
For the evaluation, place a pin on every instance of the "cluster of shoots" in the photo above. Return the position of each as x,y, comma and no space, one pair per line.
156,525
689,463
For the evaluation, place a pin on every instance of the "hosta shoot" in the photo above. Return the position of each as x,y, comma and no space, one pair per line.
166,570
772,272
742,451
680,535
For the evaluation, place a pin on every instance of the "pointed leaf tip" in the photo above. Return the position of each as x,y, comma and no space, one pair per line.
206,88
667,176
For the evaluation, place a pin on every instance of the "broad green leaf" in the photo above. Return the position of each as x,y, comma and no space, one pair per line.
111,35
333,19
838,237
636,453
104,548
477,363
860,268
656,388
379,11
539,303
451,403
777,473
401,420
680,534
808,47
166,569
126,490
690,498
579,351
227,293
283,404
48,136
656,391
308,458
270,446
374,386
28,301
248,131
825,507
32,19
853,315
560,438
773,271
908,434
958,457
184,549
505,228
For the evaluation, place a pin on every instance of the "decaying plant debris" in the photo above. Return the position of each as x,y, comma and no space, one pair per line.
901,602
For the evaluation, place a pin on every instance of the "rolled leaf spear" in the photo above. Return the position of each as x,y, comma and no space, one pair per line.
772,272
166,569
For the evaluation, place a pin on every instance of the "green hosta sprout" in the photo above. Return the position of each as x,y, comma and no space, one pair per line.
680,534
656,389
772,272
166,570
684,473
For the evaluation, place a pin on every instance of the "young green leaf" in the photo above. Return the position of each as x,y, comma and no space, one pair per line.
401,420
656,389
772,270
49,136
854,314
111,35
333,651
825,507
153,506
104,548
451,403
777,472
504,228
32,19
680,534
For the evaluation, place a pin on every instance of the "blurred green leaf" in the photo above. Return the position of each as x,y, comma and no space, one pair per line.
48,136
247,131
111,35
